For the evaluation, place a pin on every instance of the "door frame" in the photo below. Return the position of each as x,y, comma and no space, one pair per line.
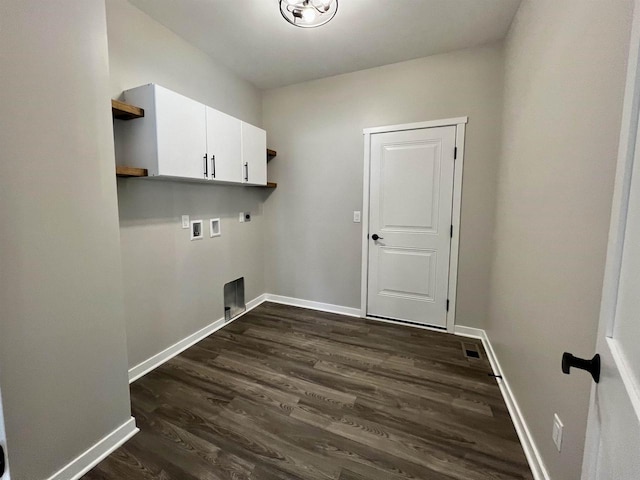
627,150
460,124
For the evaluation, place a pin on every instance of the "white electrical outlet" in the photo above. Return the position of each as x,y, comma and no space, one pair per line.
241,217
356,216
557,431
185,221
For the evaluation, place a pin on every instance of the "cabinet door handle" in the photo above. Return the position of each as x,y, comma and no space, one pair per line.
206,166
213,166
246,171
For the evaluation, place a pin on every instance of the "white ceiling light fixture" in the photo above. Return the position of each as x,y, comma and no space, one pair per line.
308,13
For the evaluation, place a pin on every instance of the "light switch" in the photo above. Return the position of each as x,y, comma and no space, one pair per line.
185,221
556,434
356,216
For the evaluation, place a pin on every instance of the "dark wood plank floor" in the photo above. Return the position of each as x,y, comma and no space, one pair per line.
290,393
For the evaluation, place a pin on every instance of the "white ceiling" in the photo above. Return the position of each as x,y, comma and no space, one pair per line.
252,39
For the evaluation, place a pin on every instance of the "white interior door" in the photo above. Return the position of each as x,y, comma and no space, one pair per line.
410,203
613,436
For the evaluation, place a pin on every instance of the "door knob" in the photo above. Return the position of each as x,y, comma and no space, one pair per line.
592,366
376,237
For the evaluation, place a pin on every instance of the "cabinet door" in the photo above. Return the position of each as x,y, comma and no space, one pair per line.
224,146
254,154
181,135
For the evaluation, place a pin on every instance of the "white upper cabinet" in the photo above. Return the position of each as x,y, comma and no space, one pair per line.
224,147
181,138
170,140
180,129
254,155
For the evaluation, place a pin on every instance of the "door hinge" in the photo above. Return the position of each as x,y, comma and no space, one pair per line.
447,304
455,153
451,232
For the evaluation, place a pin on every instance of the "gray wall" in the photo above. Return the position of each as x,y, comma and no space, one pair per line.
313,247
143,51
63,354
565,70
173,286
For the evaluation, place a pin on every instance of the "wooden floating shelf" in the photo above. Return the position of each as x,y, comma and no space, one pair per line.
124,111
131,172
270,155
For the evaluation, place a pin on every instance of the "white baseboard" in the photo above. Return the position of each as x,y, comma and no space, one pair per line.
255,302
470,332
168,353
98,452
524,434
311,305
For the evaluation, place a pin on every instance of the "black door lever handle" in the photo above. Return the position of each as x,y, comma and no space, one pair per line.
592,366
375,237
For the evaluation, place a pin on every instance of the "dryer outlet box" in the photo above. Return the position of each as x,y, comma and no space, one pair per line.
196,230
